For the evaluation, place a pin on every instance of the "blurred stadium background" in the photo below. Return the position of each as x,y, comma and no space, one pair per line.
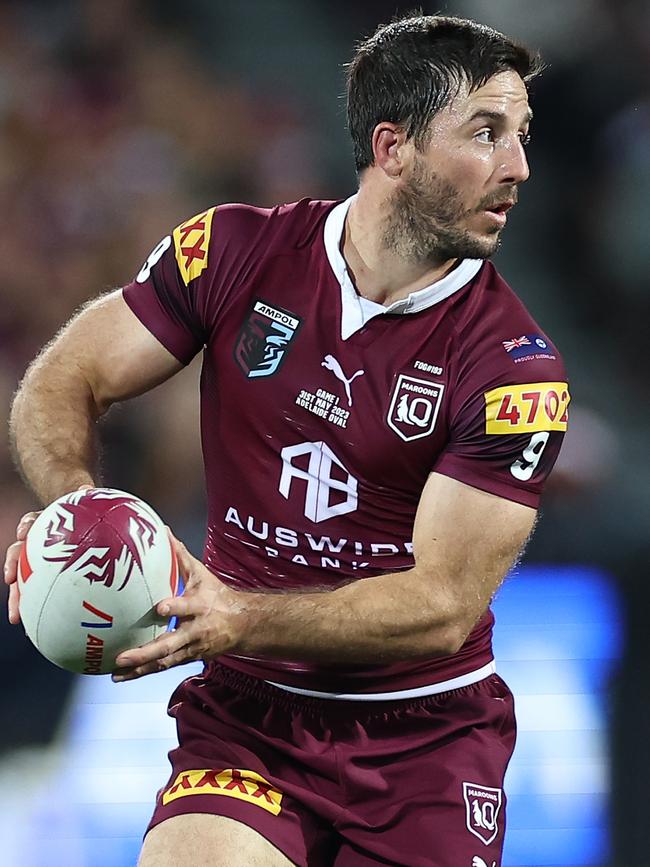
118,120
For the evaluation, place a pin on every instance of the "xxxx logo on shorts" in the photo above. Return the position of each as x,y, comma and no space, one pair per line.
482,805
231,782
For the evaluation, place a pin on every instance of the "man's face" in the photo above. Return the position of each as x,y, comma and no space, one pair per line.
454,193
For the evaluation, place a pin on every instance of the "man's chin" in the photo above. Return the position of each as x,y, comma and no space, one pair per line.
476,247
488,247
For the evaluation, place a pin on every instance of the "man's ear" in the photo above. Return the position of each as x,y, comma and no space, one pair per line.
388,148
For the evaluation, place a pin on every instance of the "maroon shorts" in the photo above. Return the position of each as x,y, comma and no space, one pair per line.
328,782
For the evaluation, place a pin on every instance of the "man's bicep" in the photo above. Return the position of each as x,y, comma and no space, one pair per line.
117,355
469,539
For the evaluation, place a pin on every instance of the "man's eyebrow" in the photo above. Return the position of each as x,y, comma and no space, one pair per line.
497,116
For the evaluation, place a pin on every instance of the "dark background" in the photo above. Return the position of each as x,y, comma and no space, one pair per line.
120,119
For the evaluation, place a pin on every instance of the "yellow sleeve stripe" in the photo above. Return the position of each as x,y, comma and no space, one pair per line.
192,243
537,406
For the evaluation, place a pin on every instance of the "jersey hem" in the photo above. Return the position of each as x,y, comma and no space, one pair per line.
417,692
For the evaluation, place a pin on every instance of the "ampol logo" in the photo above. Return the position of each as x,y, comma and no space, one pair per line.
264,339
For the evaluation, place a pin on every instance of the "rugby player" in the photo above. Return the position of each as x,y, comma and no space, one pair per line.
379,414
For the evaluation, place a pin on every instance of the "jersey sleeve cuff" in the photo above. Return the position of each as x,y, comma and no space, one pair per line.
144,303
466,471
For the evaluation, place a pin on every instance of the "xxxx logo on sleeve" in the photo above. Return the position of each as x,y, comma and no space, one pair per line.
536,406
230,782
191,244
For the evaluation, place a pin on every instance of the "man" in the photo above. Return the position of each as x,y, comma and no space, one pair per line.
379,413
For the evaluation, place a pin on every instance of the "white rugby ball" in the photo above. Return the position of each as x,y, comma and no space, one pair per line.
94,565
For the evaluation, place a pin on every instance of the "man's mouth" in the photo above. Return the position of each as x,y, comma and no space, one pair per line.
497,212
501,207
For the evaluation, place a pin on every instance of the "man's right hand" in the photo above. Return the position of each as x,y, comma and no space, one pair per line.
11,564
12,557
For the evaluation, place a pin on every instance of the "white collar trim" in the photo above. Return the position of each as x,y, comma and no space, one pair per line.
356,311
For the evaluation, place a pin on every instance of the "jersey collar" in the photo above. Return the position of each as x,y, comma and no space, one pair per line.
357,310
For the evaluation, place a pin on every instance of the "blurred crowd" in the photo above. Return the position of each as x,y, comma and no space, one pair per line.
116,123
118,120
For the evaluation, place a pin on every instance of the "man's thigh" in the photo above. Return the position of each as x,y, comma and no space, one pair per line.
435,799
208,840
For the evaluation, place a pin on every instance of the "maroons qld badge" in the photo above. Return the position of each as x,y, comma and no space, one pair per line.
482,806
414,407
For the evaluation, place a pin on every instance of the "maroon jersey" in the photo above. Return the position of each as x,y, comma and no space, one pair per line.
323,413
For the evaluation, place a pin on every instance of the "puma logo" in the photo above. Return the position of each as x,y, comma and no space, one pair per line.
477,861
332,364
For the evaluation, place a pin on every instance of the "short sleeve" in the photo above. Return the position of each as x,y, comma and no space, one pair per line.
188,277
167,292
507,426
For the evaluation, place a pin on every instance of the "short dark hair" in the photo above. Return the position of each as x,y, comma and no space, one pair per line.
410,69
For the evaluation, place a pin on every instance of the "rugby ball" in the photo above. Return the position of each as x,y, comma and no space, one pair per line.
94,565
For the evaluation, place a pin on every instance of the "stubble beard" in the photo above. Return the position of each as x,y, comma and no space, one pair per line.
424,223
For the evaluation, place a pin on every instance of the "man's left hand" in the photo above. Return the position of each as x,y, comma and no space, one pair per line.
210,622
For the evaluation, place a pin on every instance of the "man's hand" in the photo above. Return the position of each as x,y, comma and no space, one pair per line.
210,622
11,564
12,557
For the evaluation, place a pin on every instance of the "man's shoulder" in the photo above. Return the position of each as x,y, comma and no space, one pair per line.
293,223
496,333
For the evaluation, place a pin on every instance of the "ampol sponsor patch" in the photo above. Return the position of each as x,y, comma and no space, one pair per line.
230,782
482,806
191,244
414,407
536,406
264,339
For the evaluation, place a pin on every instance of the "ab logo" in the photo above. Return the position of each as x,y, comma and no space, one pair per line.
331,490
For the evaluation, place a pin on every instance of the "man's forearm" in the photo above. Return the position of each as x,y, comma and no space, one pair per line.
52,429
387,618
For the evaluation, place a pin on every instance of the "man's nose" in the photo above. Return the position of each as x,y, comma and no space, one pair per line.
513,165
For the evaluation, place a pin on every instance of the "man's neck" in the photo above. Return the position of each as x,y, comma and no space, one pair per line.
378,273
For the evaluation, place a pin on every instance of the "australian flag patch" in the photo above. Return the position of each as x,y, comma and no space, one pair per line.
528,347
264,340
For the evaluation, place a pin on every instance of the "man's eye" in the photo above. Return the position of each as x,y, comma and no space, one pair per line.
524,138
485,135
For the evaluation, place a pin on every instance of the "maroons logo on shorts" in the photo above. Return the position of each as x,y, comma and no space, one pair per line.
482,806
264,340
